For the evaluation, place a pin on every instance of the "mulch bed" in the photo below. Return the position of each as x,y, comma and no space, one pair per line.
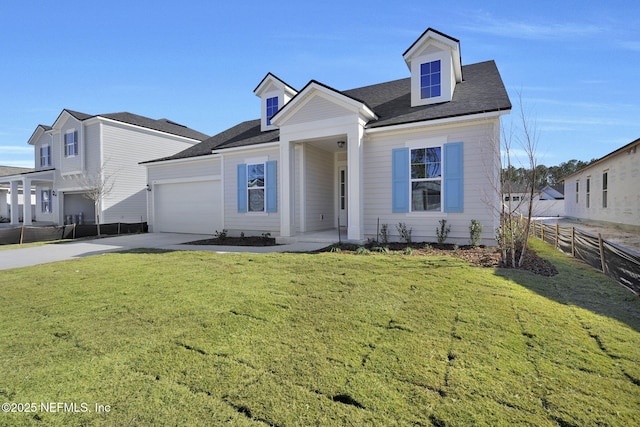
481,256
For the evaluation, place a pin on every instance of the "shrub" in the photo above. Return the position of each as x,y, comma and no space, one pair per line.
362,251
404,231
221,235
408,250
384,233
475,230
443,231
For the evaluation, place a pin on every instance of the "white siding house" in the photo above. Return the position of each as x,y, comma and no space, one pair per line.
415,150
80,151
607,190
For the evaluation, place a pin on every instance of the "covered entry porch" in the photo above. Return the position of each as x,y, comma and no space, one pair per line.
22,202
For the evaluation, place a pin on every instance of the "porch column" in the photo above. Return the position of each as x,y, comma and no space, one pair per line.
355,229
26,200
15,208
286,190
3,204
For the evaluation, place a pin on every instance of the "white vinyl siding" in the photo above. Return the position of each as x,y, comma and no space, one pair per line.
250,223
316,109
319,189
124,147
480,155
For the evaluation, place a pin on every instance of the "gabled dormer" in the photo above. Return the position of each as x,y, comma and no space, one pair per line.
273,94
434,62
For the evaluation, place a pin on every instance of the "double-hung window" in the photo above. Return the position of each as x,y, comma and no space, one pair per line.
605,185
45,155
426,179
588,191
577,192
430,79
255,187
45,201
272,108
71,144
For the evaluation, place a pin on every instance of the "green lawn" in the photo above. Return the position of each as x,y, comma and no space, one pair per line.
196,338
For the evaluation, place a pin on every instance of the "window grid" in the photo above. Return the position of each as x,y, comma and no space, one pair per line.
605,187
256,187
430,84
45,201
426,179
71,144
272,108
45,155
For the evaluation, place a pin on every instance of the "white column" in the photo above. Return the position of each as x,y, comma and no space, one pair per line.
26,200
15,208
3,204
355,229
286,195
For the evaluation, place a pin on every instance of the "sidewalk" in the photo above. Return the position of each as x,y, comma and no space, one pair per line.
24,257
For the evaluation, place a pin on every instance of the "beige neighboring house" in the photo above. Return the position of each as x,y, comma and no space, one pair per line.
81,149
5,196
608,189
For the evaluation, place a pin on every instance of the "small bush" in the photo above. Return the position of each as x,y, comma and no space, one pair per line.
384,233
443,231
362,251
404,232
335,249
475,230
408,250
381,249
221,235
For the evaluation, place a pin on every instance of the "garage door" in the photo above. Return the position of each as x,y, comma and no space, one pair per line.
188,207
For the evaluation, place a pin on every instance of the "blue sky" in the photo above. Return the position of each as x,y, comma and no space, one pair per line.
575,64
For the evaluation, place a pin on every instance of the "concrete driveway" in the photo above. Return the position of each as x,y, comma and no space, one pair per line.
24,257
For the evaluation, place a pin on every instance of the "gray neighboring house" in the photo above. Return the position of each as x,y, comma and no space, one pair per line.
81,150
608,189
414,151
5,197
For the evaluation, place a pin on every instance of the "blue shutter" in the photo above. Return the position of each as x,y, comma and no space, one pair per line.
400,180
453,177
272,186
242,187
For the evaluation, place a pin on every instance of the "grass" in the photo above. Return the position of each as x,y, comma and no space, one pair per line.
196,338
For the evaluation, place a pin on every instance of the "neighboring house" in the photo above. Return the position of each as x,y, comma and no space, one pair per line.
607,189
80,151
413,151
5,196
547,200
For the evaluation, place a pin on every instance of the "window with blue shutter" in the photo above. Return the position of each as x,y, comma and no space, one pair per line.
400,180
453,177
257,187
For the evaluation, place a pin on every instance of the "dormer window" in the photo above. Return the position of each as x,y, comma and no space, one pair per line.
434,62
430,80
274,94
272,108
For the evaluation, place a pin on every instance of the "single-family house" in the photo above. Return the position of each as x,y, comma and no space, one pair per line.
415,151
547,200
607,190
5,196
81,152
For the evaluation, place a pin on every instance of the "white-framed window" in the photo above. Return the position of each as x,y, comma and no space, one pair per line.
588,199
577,192
272,108
71,143
430,79
255,187
605,188
426,179
45,155
45,201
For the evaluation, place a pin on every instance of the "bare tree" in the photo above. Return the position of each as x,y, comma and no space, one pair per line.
96,187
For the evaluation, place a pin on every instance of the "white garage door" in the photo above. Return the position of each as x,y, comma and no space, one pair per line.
188,207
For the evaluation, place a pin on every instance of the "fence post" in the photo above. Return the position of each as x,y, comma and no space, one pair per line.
21,234
602,261
573,242
542,231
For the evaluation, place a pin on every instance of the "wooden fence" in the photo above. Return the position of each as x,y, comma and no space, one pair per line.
615,261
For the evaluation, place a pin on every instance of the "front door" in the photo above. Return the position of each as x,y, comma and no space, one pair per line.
342,196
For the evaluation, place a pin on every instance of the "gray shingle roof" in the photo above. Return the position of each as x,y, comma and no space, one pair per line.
481,91
162,125
13,170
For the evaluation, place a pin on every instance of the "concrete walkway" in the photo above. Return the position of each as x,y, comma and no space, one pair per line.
24,257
